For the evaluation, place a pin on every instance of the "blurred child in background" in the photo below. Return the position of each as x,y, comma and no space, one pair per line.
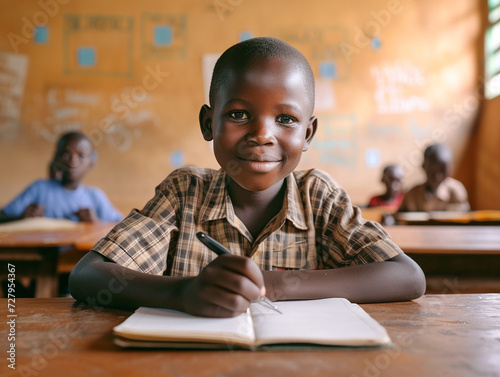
64,195
439,192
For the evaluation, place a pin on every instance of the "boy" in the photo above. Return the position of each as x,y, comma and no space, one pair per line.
287,231
439,192
392,178
63,196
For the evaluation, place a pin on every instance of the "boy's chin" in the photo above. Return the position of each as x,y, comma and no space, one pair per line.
256,185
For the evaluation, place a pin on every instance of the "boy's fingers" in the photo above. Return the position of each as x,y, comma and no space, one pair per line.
236,283
243,266
221,301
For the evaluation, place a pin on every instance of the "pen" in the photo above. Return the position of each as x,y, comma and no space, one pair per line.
218,249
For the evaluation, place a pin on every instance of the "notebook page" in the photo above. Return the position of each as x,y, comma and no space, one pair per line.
170,325
329,321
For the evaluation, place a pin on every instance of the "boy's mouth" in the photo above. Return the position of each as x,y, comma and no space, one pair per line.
259,164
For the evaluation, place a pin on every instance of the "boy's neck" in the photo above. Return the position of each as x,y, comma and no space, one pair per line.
70,185
256,208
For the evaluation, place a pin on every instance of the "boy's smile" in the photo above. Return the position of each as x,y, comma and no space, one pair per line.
261,122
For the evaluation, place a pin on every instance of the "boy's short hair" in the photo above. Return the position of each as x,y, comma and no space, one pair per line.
393,167
437,152
257,48
64,138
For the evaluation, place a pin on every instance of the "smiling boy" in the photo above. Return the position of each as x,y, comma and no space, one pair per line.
292,234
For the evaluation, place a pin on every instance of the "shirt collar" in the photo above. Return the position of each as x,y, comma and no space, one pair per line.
216,206
293,205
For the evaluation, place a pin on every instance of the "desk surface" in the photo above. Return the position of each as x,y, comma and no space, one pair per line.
413,239
416,239
54,238
437,335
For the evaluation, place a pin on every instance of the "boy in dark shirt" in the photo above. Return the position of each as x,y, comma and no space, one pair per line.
292,234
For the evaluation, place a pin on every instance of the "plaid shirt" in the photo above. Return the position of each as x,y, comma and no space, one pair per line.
317,228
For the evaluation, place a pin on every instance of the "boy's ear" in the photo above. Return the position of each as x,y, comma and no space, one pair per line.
205,119
310,132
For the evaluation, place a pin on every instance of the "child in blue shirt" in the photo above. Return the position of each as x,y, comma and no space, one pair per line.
63,196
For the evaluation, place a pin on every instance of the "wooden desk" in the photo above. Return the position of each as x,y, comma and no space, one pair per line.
437,335
35,254
455,259
421,239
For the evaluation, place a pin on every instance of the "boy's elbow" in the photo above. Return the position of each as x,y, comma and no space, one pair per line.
84,276
76,282
414,279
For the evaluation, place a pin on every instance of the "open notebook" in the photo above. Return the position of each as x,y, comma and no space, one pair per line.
331,322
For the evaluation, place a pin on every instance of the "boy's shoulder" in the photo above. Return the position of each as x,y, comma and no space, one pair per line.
190,173
315,177
191,176
453,183
45,184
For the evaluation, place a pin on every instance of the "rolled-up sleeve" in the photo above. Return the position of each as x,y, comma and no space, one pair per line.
141,241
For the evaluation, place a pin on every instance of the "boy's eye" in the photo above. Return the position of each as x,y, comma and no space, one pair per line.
238,115
285,119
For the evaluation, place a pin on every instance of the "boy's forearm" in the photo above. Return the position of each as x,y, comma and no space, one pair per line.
399,279
100,283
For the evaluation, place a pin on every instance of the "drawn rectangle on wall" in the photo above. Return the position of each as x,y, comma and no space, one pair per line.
163,36
108,36
319,45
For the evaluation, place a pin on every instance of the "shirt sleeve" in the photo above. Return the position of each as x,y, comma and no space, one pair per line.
141,241
103,207
348,239
19,204
459,200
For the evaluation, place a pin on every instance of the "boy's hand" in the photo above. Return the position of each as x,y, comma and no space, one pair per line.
224,288
34,210
86,214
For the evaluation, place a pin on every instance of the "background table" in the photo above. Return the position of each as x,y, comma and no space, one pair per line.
446,239
454,258
437,335
36,253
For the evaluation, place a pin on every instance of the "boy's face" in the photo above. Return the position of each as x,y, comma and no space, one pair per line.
393,180
436,170
75,160
260,122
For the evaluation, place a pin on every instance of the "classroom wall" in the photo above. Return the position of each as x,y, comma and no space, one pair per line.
392,76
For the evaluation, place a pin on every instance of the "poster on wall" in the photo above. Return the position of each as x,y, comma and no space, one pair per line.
13,69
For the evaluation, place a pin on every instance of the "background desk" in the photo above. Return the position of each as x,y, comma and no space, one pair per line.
454,258
36,253
422,239
437,335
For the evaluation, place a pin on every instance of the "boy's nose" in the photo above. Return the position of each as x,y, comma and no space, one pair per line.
262,132
73,159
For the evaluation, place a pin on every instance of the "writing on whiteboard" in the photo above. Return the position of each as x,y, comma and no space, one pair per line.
68,109
397,88
13,68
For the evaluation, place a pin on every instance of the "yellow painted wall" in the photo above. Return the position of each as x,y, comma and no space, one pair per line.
392,76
